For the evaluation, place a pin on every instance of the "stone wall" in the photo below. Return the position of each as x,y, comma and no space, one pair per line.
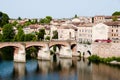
106,49
102,49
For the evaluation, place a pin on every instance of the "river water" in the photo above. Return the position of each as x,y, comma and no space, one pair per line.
64,69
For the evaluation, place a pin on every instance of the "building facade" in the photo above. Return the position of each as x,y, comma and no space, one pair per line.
114,28
84,33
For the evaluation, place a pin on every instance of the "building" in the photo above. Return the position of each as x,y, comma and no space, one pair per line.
100,31
84,33
32,28
84,19
108,19
114,28
98,19
67,32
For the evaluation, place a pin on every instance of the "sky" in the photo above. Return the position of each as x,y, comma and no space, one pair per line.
58,8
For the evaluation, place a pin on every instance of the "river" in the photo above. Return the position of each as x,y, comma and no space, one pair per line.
64,69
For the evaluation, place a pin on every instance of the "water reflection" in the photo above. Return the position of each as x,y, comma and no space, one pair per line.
64,69
43,67
19,70
84,70
6,70
104,72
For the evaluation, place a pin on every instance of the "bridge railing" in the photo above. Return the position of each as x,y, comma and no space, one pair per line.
42,41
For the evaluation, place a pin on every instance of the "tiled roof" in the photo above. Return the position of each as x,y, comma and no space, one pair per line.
86,25
113,23
67,26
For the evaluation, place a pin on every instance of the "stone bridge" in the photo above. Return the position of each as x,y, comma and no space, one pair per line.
43,52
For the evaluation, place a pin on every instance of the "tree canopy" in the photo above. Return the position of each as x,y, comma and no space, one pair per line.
49,18
29,37
75,16
55,35
41,34
20,35
4,19
46,20
8,32
117,13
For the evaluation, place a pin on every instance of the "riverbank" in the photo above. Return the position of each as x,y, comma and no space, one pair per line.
109,60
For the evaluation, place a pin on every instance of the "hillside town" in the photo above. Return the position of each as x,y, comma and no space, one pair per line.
83,29
60,40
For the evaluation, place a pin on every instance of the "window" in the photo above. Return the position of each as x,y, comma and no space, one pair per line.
112,30
112,35
82,30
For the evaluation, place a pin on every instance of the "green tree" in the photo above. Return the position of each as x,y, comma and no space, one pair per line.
31,53
34,21
54,48
1,37
29,37
46,20
41,21
27,23
0,14
114,18
19,18
75,16
0,17
8,32
41,34
47,38
55,35
20,35
117,13
34,38
4,19
14,23
49,18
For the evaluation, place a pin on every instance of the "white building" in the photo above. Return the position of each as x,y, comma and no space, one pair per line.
84,33
67,32
32,28
100,32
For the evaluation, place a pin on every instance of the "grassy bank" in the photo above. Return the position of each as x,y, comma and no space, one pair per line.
97,59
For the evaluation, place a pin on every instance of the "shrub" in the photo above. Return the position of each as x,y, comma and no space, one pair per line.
97,59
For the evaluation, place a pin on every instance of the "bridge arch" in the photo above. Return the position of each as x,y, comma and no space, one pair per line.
58,44
73,45
34,44
17,45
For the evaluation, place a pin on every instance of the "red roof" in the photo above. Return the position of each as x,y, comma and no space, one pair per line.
98,40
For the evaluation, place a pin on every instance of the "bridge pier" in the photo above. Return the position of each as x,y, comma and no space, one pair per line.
19,54
74,52
44,53
66,52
